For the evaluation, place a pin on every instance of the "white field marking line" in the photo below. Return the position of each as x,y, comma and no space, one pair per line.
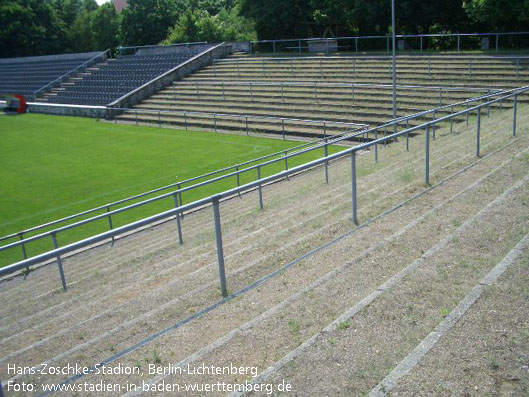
413,358
45,340
292,355
328,276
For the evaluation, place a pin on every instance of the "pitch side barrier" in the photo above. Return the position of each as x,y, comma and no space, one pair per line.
214,200
365,134
331,43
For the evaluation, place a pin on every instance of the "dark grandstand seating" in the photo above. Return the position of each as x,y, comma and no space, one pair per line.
108,81
26,75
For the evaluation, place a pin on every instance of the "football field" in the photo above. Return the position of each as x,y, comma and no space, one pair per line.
52,167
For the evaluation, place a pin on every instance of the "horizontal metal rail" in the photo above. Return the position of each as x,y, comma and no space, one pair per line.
336,85
363,57
177,194
399,36
170,194
60,79
238,116
121,49
215,199
301,43
166,187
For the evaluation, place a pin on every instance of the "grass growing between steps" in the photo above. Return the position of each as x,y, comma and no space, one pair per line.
52,167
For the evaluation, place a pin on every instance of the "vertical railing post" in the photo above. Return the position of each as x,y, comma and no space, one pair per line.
427,154
497,42
376,146
433,125
514,115
22,245
421,43
238,178
220,250
356,44
178,220
215,120
458,43
325,154
353,187
324,129
478,133
111,227
260,189
299,46
159,119
185,120
59,262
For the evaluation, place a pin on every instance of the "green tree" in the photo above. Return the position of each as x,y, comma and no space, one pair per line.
506,15
105,27
30,27
147,21
278,19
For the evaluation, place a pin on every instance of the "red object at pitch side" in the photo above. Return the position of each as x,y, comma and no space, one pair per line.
22,107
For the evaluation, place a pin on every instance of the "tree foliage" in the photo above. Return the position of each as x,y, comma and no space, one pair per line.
37,27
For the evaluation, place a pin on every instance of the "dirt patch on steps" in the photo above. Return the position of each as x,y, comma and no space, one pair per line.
355,357
487,351
171,350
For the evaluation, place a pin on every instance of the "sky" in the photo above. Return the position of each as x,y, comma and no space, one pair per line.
102,1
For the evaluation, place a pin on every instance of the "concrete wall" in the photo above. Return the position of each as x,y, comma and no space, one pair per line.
98,112
240,46
174,49
178,73
62,57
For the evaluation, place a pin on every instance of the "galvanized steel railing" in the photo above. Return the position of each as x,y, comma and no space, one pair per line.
301,44
214,200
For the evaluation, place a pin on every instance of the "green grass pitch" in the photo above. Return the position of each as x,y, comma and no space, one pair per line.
52,166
